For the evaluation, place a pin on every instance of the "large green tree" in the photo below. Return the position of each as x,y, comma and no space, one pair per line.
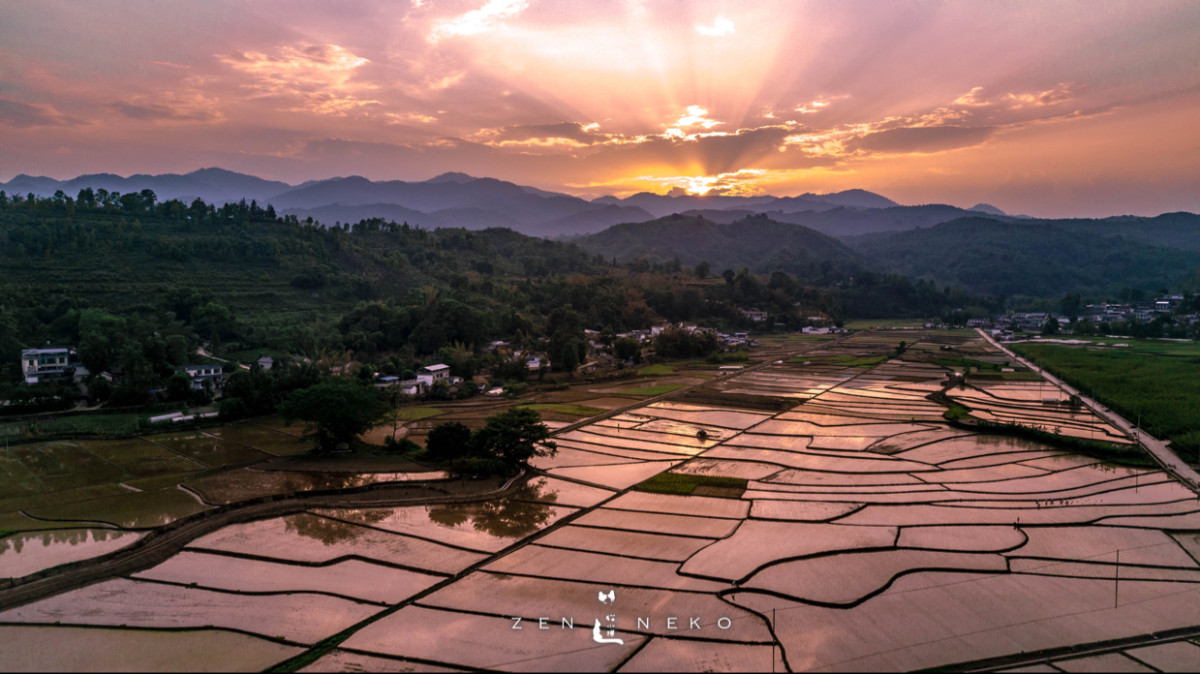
338,409
514,437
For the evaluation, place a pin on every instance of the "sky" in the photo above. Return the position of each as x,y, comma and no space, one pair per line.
1053,108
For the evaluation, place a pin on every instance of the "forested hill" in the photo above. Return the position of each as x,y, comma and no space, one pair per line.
139,284
1044,258
756,242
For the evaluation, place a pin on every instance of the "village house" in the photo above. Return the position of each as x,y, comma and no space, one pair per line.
431,374
213,374
48,364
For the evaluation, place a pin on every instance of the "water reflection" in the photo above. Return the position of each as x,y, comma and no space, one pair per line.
332,532
29,552
505,518
245,483
57,537
483,526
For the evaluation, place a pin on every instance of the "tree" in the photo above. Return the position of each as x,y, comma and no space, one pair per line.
568,359
1070,305
338,409
448,441
1050,327
179,386
703,269
514,437
628,348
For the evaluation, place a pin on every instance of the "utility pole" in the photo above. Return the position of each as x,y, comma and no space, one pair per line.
1117,579
776,640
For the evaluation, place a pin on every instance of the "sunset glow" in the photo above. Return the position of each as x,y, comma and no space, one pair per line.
1056,108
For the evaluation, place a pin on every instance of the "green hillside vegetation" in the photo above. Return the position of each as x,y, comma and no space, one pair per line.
139,285
758,243
1039,259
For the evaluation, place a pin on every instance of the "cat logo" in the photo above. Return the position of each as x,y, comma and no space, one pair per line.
610,621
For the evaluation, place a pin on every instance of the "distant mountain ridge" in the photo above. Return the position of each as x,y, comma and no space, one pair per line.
1043,258
452,199
756,242
660,205
456,199
214,185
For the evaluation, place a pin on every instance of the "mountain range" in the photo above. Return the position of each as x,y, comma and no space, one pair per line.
981,248
460,200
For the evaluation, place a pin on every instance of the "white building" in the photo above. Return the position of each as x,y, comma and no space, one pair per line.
434,373
42,365
213,374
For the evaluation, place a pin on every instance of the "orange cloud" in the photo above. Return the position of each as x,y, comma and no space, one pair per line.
317,78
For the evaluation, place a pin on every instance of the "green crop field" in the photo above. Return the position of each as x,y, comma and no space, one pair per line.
885,323
840,361
1150,383
651,390
684,484
417,413
564,408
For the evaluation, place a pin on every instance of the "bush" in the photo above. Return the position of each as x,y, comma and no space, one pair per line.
401,446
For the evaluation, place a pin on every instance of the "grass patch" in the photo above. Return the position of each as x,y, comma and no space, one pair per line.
809,338
684,484
869,323
964,363
956,412
657,370
739,356
650,390
1020,375
840,361
416,413
119,424
1163,390
565,408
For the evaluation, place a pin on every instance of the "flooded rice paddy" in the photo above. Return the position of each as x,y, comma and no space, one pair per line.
870,534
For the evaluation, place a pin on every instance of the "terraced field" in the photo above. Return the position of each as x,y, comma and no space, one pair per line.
852,528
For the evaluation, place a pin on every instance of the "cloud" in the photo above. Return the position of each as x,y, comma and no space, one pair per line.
544,134
921,139
156,112
313,78
1060,93
302,61
812,107
719,28
478,20
695,116
25,115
